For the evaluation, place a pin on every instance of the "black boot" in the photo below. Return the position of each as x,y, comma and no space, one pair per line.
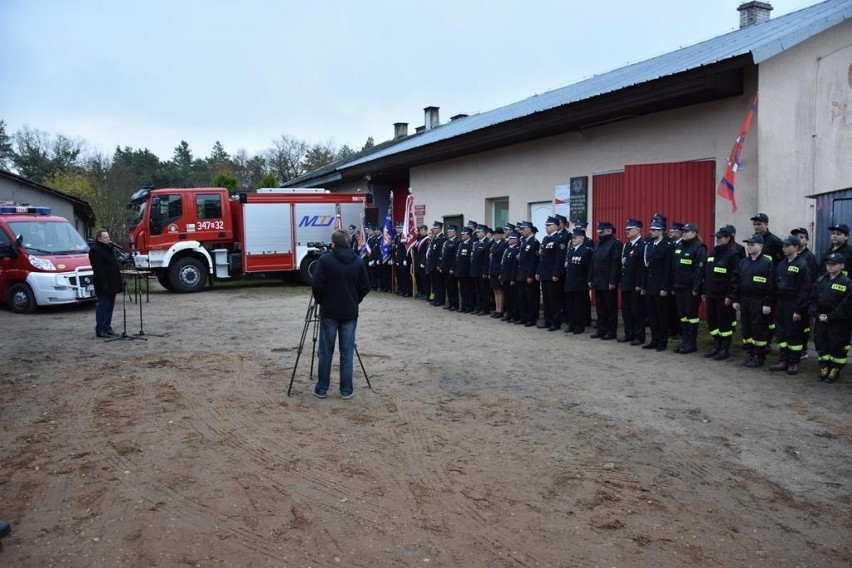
690,336
724,350
715,348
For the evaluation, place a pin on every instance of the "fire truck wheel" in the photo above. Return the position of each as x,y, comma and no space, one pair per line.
305,269
164,281
187,275
20,299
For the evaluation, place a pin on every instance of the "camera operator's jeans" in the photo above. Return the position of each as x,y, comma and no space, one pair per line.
329,330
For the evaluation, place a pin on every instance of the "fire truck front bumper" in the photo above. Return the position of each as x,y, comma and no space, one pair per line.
52,288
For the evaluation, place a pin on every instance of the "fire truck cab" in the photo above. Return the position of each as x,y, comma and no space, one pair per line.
43,260
191,236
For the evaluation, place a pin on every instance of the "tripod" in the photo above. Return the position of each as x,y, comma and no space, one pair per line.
139,276
124,295
312,320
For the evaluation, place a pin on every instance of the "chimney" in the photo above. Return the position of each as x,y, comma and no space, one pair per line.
752,13
400,130
431,117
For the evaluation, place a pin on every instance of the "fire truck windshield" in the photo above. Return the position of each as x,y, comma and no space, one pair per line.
138,210
49,237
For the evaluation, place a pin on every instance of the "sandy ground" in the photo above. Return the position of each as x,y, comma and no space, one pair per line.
481,444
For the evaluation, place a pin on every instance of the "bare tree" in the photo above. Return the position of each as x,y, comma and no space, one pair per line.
286,158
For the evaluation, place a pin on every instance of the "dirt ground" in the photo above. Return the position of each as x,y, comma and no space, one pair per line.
481,444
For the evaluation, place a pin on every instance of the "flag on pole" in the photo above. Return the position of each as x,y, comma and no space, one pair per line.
728,182
409,230
387,232
363,246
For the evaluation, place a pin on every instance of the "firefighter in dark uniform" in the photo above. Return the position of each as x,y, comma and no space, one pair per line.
719,277
805,253
675,237
509,278
831,307
401,263
657,284
495,260
433,263
479,270
839,244
632,302
374,255
771,243
527,267
738,248
753,296
421,252
550,275
578,266
688,259
603,280
792,297
462,272
448,268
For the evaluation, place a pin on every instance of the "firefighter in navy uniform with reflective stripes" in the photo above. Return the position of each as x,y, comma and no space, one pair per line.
831,307
792,297
753,296
688,259
719,277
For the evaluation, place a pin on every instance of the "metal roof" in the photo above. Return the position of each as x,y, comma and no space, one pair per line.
762,41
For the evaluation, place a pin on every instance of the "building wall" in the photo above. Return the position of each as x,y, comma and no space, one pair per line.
805,118
527,173
23,193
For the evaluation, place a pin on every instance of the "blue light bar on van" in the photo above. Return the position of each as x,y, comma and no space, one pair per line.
12,209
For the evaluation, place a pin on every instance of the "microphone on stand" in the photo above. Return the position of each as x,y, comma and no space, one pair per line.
116,246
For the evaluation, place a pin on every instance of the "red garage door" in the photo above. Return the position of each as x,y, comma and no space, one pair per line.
682,191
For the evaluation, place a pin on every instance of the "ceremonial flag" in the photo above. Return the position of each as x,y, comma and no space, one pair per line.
409,230
728,182
363,246
387,232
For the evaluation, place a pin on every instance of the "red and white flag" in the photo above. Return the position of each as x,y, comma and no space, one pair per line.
409,229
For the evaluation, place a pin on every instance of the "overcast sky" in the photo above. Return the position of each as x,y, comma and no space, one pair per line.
148,74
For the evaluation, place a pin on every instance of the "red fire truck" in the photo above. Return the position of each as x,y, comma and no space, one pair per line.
43,260
189,237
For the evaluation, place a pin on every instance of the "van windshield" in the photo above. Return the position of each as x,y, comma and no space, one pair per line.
49,237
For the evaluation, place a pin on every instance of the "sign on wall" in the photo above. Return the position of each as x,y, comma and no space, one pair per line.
578,199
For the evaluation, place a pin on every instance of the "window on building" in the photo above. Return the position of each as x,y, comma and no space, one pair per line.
499,211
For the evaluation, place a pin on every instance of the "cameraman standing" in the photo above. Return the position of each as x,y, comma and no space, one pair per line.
107,281
339,284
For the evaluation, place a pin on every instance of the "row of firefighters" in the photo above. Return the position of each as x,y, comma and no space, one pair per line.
776,286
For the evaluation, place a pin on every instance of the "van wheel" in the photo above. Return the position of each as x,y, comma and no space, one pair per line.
187,275
20,299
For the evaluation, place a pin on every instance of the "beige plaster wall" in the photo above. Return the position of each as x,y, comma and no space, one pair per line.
805,133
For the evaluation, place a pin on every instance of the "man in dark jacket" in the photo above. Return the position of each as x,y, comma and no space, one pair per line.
603,279
107,280
433,263
632,302
340,282
839,244
753,297
792,298
657,283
